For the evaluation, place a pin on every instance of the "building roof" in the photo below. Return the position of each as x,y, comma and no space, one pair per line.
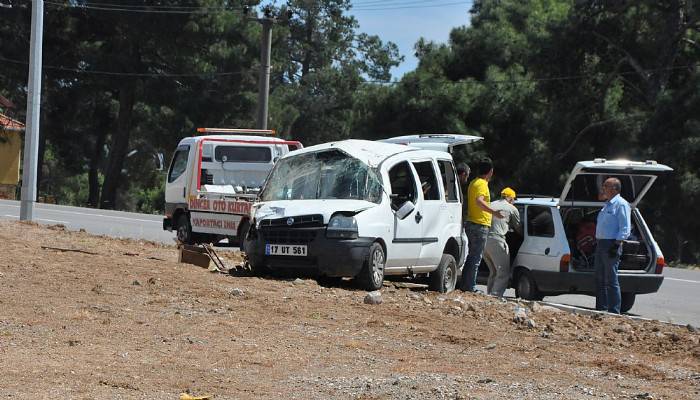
9,124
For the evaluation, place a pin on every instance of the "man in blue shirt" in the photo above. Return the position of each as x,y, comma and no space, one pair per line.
612,228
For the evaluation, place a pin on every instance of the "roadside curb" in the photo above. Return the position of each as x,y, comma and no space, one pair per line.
584,311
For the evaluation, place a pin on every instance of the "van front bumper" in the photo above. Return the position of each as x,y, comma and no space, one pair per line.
555,282
327,256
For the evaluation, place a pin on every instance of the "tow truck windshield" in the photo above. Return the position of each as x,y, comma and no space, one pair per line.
330,174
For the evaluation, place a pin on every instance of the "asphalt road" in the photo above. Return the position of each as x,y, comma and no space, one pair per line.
101,222
677,301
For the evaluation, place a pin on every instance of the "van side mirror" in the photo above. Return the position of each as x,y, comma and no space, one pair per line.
405,209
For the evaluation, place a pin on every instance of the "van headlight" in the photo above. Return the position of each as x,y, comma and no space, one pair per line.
342,227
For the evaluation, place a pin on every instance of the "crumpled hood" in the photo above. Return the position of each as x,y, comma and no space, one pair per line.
293,208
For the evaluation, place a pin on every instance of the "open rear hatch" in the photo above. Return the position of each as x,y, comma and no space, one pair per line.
579,205
588,176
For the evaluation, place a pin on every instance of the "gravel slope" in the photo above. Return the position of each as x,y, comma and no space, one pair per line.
123,319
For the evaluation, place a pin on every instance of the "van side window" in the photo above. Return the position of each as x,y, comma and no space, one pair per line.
449,180
428,180
539,221
179,163
403,185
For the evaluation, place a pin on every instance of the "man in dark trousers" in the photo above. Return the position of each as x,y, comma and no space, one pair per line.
479,214
612,228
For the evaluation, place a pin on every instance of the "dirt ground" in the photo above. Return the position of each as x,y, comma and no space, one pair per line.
89,317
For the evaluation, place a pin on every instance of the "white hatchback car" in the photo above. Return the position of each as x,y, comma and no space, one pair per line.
555,255
363,209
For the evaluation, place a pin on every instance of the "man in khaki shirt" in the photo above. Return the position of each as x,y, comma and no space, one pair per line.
496,252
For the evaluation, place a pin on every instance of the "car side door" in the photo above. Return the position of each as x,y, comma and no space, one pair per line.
438,214
540,249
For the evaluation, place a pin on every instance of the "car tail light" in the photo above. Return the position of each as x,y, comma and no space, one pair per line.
564,263
660,264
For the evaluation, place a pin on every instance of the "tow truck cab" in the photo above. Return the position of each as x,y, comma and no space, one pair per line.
213,179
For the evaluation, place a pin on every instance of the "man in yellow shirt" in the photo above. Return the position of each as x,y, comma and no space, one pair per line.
479,214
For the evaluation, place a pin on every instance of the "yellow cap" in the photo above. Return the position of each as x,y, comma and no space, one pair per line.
508,192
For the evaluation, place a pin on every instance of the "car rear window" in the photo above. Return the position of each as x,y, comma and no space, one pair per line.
586,186
243,154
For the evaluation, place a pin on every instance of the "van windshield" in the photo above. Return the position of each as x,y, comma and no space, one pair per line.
330,174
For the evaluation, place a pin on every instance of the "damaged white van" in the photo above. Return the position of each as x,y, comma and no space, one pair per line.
363,209
555,255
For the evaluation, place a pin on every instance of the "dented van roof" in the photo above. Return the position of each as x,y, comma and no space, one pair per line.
370,152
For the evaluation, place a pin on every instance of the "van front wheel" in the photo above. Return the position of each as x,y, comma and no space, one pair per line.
444,278
372,275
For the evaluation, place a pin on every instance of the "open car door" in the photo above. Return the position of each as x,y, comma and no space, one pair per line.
433,141
588,176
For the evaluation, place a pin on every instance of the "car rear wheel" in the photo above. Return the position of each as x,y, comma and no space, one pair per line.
526,288
444,278
372,275
627,301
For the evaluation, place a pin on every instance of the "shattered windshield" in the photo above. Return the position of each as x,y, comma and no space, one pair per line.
329,174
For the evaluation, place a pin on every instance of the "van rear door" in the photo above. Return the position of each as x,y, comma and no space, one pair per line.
588,176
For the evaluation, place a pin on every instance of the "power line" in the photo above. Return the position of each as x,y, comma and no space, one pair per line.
370,3
132,74
554,78
373,5
207,74
137,6
381,7
133,9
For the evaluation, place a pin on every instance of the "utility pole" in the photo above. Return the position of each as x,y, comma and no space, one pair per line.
265,49
264,79
31,135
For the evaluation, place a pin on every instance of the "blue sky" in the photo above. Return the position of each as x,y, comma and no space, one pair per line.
405,21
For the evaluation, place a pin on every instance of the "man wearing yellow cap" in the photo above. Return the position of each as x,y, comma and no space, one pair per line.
496,253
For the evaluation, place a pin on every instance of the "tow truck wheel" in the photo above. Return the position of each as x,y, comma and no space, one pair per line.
242,232
627,302
184,229
444,278
372,275
525,287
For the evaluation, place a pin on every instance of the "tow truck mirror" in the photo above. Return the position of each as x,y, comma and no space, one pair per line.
405,210
159,160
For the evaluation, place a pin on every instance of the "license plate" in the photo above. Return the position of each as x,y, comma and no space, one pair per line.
285,250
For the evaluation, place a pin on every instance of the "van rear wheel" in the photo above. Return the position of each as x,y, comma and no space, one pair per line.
525,287
371,277
444,278
627,301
